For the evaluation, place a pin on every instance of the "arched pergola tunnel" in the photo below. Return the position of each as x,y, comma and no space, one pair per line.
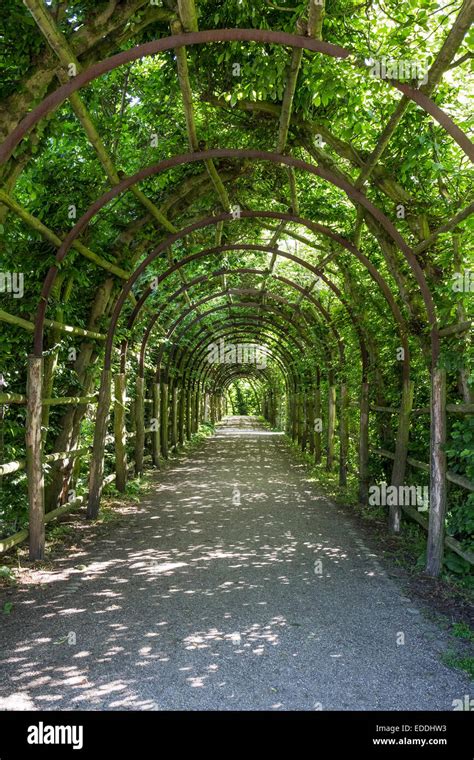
283,236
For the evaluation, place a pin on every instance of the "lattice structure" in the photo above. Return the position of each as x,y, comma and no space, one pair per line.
214,263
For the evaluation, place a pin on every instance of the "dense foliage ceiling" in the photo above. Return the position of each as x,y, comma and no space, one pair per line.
313,303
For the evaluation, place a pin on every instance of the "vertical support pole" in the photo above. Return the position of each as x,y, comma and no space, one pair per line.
317,416
196,408
189,412
438,489
34,457
310,420
98,448
156,448
120,433
164,418
364,444
303,419
139,424
181,415
401,452
133,416
343,436
331,423
174,416
289,412
295,414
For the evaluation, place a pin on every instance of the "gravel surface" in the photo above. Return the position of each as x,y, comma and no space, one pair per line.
234,586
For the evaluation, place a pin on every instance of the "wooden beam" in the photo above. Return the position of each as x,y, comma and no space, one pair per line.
120,437
139,424
34,451
49,235
12,319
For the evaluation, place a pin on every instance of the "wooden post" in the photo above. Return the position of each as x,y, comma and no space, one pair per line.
310,420
133,416
435,546
98,449
302,420
164,419
295,415
181,415
156,424
34,457
189,412
196,407
289,412
139,424
364,444
317,433
120,433
174,416
401,452
331,423
343,436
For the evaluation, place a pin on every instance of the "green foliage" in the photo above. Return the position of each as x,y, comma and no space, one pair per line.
56,166
463,631
243,398
454,660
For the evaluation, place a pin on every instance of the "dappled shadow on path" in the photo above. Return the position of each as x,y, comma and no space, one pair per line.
233,585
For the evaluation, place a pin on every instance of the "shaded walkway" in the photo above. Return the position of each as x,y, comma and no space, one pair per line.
209,598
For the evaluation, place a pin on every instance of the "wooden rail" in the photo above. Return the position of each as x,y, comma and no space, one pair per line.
451,476
22,535
449,542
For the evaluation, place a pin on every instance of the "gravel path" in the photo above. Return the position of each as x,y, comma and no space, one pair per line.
235,585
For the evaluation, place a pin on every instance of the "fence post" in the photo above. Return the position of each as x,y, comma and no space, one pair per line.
139,424
98,449
120,433
34,457
364,444
435,546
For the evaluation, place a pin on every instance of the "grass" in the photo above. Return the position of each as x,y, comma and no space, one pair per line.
463,631
454,660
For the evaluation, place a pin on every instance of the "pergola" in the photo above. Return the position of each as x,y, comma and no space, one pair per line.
257,300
